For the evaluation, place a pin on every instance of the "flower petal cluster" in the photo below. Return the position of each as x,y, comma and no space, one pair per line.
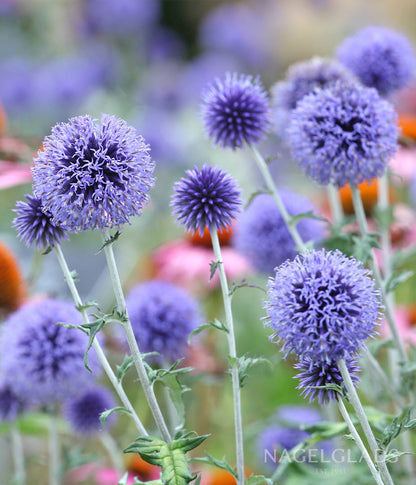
83,412
34,225
303,78
208,197
323,305
162,316
235,110
317,374
261,233
343,134
380,58
41,360
93,176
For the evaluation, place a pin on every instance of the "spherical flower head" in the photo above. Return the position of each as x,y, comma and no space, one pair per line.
317,374
343,134
380,58
262,235
302,79
34,225
42,361
83,412
235,110
207,197
162,316
93,176
12,286
322,305
11,403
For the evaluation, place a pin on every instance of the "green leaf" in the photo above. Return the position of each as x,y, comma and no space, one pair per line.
223,464
396,279
110,240
393,455
244,363
176,390
88,304
105,414
363,246
158,374
124,367
305,215
400,423
258,480
215,324
244,284
213,265
92,329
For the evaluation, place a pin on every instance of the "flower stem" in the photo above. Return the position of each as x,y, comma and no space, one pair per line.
359,442
18,455
362,224
131,339
233,354
100,353
262,165
54,451
362,418
335,204
113,452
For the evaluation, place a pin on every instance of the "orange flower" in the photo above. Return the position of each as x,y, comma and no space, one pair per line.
205,239
369,193
12,288
137,465
407,123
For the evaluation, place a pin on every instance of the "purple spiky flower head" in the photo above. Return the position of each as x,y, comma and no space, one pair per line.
343,134
306,76
43,362
11,404
235,110
162,316
261,233
322,305
83,412
92,175
380,58
316,374
207,197
34,224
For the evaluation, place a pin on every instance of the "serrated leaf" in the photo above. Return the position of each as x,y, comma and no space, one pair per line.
93,328
215,324
213,265
110,240
305,215
244,284
244,363
159,374
124,367
258,480
396,279
363,246
88,304
393,455
223,464
105,414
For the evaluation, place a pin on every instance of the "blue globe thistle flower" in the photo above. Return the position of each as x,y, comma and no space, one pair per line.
93,176
43,362
11,404
315,374
235,110
322,305
343,134
83,412
261,233
380,58
208,197
34,225
162,316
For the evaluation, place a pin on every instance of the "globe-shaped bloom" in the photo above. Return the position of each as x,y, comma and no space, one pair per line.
93,176
83,412
302,79
207,197
11,404
343,134
43,362
162,316
380,58
315,375
35,226
322,305
235,110
261,233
